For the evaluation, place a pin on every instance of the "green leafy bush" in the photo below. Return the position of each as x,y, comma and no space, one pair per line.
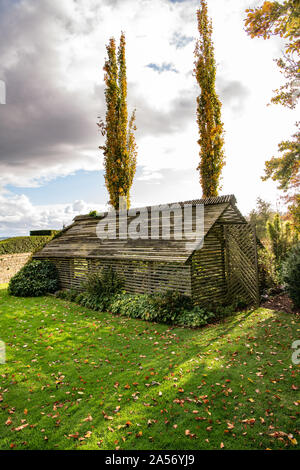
223,311
103,283
147,307
169,304
100,303
144,306
239,303
268,276
34,279
67,294
291,275
94,214
134,306
23,244
195,318
160,307
281,238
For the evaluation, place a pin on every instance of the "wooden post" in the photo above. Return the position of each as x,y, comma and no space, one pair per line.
256,264
227,262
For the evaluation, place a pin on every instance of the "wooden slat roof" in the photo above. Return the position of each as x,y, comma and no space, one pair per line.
80,240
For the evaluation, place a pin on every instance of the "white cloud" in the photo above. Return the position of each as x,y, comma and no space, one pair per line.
18,215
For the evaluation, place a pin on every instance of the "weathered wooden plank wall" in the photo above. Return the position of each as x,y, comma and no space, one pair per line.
208,270
139,277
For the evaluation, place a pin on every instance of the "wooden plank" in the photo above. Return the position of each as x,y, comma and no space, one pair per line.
243,273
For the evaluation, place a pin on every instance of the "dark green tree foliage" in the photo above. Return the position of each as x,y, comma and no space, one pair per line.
274,18
267,270
281,238
285,171
34,279
291,274
281,19
260,216
46,233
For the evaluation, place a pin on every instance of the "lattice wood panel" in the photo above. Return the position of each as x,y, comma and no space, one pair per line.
241,262
208,270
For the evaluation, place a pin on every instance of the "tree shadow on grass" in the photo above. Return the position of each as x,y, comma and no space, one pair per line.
185,379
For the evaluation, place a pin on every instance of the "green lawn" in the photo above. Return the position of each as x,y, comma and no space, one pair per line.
75,378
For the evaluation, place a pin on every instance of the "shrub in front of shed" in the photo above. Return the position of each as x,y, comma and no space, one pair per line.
170,304
105,282
34,279
170,307
134,306
97,291
103,292
195,318
291,275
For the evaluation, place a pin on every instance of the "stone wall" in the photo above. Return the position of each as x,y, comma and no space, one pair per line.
11,264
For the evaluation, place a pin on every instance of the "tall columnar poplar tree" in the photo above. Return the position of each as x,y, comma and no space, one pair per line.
208,108
120,152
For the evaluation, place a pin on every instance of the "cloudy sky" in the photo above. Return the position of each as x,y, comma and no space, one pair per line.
51,58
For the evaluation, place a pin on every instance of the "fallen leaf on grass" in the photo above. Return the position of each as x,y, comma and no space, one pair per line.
106,416
20,428
88,418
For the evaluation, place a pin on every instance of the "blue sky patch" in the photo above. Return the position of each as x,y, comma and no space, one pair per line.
180,40
164,67
86,185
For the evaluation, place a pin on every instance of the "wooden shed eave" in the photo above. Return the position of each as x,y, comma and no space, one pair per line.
164,259
242,221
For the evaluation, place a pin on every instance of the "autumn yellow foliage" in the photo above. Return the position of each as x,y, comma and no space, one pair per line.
120,151
208,108
280,19
283,19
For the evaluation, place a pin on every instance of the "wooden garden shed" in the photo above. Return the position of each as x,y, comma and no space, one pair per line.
223,269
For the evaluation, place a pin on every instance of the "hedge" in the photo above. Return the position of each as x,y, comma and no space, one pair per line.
23,244
46,233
